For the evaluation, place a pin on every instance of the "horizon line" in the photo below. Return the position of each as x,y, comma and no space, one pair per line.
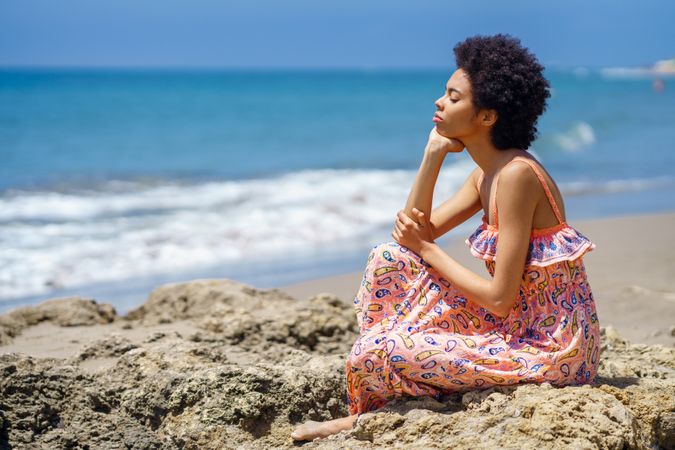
220,68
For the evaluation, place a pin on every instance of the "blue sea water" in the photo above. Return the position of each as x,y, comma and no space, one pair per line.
114,181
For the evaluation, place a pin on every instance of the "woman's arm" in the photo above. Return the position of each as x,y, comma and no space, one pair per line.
516,204
422,191
458,208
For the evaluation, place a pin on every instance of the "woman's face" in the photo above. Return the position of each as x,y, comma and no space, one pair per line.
455,108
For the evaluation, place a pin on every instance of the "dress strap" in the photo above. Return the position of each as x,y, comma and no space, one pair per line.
480,180
542,180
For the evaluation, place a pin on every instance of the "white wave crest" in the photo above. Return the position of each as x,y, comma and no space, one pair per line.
60,240
578,137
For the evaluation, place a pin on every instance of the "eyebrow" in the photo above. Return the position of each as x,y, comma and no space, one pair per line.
456,90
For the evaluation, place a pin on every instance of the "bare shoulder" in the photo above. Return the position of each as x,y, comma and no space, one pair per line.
519,190
518,176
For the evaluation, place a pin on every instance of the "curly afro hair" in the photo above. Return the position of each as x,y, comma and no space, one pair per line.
506,77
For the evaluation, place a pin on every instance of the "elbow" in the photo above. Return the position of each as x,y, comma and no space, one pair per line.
502,308
503,299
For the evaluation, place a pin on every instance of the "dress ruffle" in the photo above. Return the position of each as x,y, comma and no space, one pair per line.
547,246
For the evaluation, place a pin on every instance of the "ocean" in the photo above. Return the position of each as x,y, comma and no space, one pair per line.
113,182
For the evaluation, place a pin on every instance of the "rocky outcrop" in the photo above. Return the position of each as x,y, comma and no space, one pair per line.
214,364
66,312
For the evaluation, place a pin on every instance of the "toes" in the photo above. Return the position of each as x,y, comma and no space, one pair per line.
301,432
298,435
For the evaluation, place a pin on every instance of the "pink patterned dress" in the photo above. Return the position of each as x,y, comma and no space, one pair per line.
420,336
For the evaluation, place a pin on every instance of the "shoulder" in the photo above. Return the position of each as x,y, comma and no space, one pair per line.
517,176
519,190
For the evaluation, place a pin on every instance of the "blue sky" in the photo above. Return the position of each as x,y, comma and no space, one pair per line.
344,34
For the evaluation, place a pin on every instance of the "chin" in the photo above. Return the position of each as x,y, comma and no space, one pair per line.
443,132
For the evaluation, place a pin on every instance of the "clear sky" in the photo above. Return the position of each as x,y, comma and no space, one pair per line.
316,33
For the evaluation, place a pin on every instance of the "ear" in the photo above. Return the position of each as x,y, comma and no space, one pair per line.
488,117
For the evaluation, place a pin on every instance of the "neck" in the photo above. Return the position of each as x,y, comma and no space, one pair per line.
489,158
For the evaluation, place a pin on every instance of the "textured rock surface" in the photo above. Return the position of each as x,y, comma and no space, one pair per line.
66,312
238,367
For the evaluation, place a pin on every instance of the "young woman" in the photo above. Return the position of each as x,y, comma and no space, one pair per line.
428,325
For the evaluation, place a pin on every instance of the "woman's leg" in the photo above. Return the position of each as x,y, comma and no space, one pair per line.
387,295
372,381
389,271
312,430
427,349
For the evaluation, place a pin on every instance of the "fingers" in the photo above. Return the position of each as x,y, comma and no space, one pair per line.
396,233
399,227
406,222
403,222
420,216
403,217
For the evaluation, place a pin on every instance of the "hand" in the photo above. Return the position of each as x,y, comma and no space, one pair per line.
438,142
410,233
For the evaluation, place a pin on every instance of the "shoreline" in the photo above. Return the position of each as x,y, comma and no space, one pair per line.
330,258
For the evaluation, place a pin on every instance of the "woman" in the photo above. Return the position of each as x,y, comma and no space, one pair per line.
428,325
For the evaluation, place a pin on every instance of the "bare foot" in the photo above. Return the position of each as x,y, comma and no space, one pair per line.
311,429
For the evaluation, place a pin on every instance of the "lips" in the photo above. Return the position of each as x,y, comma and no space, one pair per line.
437,117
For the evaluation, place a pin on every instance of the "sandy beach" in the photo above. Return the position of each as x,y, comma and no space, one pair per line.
216,363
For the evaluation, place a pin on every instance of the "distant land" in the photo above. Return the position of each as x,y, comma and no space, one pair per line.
664,67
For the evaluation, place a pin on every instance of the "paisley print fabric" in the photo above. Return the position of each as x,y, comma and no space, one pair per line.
420,336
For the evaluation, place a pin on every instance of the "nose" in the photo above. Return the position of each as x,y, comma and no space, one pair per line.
438,102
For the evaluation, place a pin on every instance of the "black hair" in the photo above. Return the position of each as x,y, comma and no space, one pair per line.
508,78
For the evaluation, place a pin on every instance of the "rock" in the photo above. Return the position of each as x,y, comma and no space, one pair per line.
514,417
665,432
66,312
47,405
611,337
214,299
255,363
112,345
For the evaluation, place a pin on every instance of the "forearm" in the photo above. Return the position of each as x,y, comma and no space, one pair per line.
422,191
474,287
